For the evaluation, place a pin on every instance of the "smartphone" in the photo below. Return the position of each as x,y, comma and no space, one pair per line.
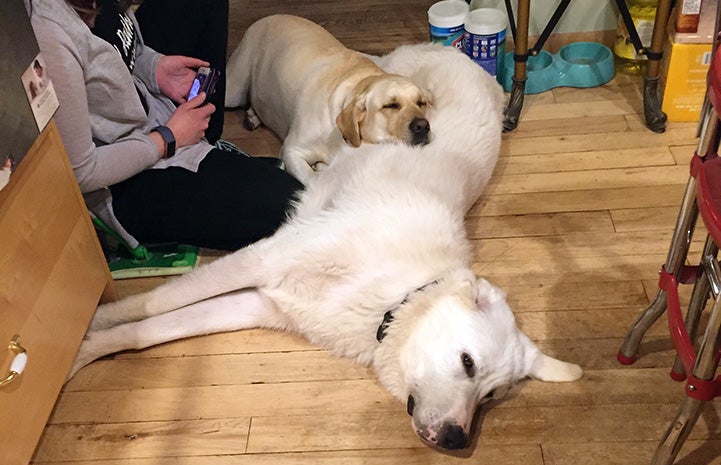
204,81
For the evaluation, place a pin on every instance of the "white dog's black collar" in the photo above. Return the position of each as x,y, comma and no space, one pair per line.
388,316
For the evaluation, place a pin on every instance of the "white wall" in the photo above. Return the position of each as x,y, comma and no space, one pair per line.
580,16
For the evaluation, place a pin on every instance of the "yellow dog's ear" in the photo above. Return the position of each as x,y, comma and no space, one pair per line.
349,121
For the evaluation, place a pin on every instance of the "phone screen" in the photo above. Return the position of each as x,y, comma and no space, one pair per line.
194,89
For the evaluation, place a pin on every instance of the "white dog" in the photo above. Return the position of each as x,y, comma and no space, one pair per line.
375,265
313,93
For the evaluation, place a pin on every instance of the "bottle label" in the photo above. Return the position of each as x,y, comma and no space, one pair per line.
450,36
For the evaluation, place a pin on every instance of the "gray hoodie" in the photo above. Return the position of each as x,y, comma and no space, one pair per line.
101,119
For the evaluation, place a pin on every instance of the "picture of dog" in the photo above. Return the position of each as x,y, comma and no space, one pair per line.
374,264
295,78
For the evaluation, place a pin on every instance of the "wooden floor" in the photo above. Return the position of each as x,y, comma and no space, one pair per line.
574,226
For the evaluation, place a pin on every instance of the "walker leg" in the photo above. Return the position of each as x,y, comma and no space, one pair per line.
677,432
704,369
629,348
699,297
678,250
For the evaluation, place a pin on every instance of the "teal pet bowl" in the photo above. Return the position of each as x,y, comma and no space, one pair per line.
580,64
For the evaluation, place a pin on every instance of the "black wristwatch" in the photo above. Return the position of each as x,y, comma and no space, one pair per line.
168,138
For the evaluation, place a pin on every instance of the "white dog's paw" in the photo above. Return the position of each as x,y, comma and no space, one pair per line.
251,121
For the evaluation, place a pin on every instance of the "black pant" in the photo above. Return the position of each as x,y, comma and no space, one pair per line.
195,28
232,201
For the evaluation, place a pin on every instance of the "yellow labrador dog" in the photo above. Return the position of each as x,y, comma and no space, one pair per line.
313,92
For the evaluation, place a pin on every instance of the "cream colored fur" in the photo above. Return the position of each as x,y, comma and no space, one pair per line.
314,93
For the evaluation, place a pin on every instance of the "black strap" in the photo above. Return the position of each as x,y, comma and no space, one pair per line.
168,138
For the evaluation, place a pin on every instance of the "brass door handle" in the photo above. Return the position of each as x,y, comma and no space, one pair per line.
17,366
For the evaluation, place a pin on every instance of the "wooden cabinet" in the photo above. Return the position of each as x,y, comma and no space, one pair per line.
52,276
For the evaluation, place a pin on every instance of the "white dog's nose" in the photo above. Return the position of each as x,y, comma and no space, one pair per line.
452,437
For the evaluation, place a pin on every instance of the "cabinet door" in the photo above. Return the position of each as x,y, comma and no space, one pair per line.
52,275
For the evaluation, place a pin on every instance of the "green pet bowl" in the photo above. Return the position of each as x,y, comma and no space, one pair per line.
580,64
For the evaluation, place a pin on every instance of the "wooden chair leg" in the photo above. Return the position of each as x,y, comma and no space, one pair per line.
518,89
655,118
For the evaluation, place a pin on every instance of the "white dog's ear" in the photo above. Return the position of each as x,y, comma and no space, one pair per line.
487,294
349,121
549,369
546,368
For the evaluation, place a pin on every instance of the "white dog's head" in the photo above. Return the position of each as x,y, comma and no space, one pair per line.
451,346
385,108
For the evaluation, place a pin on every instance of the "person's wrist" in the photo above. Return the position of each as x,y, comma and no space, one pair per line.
168,138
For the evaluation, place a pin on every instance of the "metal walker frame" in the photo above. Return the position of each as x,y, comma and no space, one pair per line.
702,197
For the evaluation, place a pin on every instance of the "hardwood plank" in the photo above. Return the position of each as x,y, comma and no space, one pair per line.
625,451
183,403
575,125
609,453
216,370
600,354
579,245
517,453
561,296
683,153
644,219
584,160
582,108
144,439
574,270
592,179
574,424
580,200
581,324
634,138
538,224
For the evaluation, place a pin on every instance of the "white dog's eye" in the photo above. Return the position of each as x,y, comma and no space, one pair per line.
392,106
468,364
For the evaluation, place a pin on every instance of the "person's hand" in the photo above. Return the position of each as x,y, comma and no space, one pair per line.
190,120
175,75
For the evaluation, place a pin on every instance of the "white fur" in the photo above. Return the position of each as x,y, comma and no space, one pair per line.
381,230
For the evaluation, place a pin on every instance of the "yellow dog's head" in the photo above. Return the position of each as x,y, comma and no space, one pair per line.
385,108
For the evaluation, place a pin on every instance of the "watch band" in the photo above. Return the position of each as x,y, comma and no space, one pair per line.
168,138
